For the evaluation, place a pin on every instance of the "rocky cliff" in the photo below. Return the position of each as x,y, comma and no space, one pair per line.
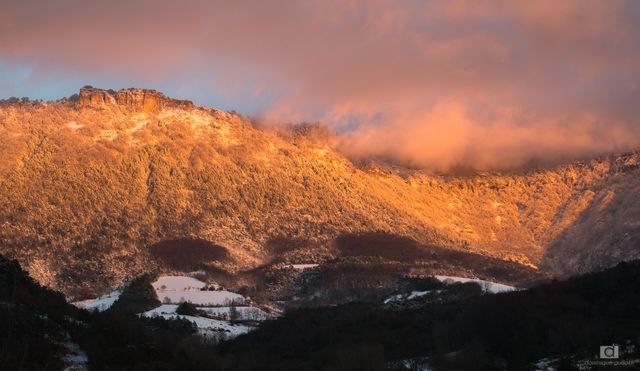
144,100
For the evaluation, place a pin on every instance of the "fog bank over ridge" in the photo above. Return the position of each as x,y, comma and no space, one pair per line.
447,138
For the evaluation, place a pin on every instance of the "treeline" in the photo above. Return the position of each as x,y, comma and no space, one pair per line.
32,321
461,330
484,332
37,324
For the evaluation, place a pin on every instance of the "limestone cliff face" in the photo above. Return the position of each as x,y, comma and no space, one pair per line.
143,100
90,97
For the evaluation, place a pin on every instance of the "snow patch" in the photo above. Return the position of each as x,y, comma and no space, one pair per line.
100,304
302,266
206,298
545,364
417,294
163,309
244,313
205,326
177,283
487,286
397,297
74,125
178,289
408,296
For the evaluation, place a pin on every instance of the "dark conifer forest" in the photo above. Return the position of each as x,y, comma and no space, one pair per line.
458,329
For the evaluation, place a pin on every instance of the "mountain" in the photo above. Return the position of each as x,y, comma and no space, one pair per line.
104,186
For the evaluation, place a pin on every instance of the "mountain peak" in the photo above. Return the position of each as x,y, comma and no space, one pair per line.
138,99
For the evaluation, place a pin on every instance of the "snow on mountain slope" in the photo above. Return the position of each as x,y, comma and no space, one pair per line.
177,289
487,286
99,304
408,296
205,326
244,313
206,298
178,283
303,266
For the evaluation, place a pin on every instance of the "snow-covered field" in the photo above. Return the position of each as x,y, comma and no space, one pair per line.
244,313
206,326
205,298
177,289
487,286
172,290
100,304
177,283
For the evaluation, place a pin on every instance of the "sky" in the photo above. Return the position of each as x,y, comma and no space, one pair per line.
436,84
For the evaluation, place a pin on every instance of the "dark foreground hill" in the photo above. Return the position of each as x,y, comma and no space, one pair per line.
454,327
562,321
40,331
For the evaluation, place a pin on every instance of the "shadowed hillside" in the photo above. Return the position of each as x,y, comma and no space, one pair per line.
564,321
90,183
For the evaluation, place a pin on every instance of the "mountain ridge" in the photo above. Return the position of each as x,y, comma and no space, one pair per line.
91,182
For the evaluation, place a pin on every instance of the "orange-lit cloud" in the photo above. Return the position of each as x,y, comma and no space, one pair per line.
447,136
491,84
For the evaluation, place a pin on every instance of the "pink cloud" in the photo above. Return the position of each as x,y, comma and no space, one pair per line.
490,84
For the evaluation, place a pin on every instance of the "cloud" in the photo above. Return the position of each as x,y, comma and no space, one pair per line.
490,85
448,136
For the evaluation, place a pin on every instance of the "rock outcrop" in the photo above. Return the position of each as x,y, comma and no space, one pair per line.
145,100
92,97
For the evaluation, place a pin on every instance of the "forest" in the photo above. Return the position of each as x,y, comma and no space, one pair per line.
460,328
